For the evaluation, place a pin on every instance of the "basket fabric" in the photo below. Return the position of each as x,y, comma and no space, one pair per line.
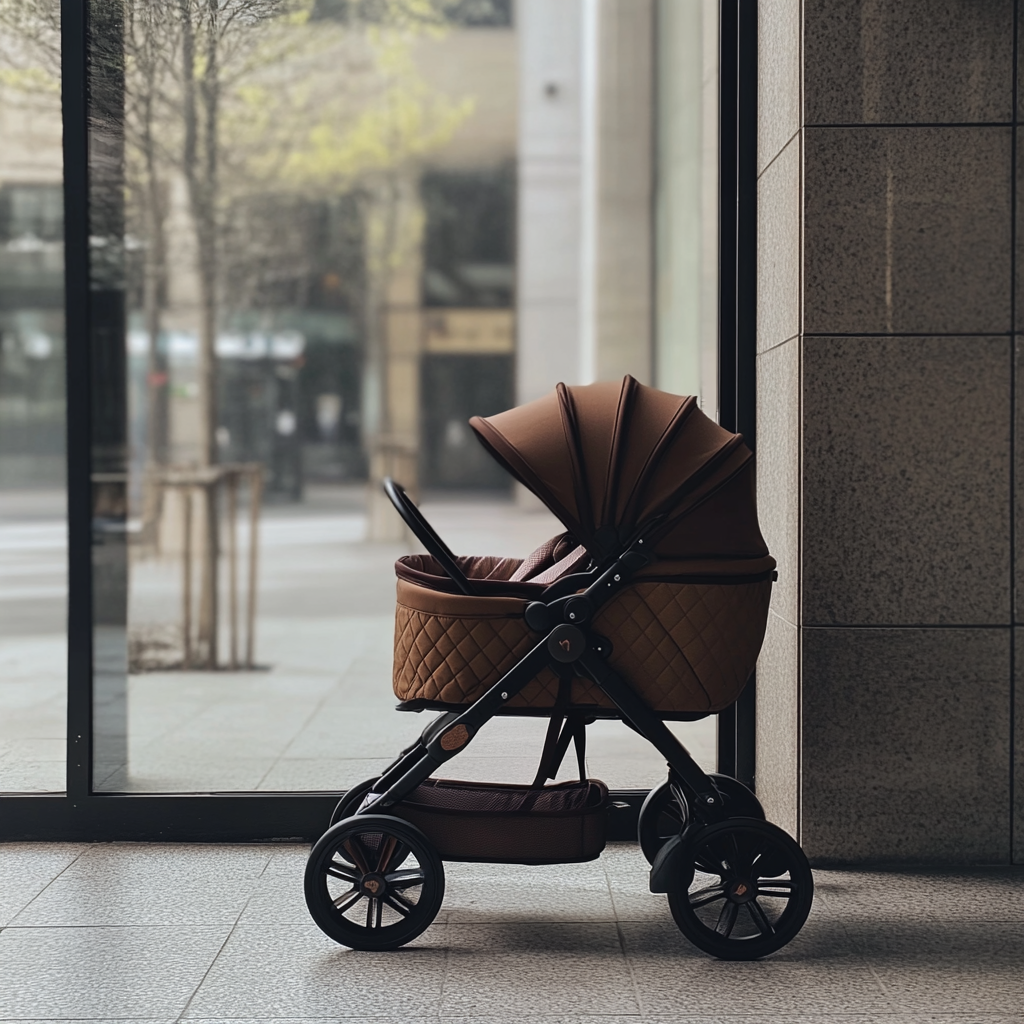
685,647
512,824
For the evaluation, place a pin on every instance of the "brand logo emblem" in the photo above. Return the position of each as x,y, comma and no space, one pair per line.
740,889
457,736
372,884
565,644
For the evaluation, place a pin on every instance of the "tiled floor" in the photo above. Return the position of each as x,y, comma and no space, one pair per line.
218,933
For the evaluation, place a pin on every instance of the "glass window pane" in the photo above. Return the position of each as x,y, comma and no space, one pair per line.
325,234
33,521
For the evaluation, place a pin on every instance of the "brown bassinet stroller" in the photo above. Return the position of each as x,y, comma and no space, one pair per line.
651,606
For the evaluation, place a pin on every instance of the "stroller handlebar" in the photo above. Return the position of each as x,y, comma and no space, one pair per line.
426,534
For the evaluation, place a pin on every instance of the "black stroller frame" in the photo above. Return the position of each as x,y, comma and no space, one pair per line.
694,822
570,604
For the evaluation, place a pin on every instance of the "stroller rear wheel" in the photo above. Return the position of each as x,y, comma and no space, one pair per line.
662,816
356,892
751,892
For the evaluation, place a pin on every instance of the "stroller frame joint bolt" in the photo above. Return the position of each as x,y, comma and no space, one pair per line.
566,643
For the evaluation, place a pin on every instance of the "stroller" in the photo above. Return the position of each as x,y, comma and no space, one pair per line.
651,607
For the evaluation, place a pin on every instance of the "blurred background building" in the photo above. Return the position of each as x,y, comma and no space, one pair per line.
324,233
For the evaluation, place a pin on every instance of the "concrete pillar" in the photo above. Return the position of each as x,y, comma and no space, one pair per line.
686,200
617,286
885,437
392,387
585,192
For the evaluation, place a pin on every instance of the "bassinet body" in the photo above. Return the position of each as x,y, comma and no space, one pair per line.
612,461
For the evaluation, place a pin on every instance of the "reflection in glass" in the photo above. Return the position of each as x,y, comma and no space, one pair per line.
33,525
306,277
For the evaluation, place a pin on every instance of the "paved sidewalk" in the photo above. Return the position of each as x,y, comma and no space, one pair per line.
320,714
216,933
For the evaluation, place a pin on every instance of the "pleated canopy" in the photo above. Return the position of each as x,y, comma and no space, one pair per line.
610,458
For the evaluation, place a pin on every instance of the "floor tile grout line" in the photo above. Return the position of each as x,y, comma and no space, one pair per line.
622,939
74,860
310,718
227,939
447,961
629,967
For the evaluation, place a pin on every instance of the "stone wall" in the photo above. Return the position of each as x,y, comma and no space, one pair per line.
886,428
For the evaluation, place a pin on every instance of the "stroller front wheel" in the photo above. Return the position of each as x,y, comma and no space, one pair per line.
373,882
751,892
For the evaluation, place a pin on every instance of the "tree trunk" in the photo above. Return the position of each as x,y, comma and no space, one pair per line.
201,176
157,380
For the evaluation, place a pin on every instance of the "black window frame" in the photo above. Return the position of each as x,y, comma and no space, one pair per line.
81,814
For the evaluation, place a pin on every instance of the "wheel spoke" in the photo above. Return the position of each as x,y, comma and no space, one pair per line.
395,902
780,890
673,813
387,848
708,863
710,893
348,900
378,918
764,926
737,861
369,912
398,854
352,847
405,879
727,919
336,870
759,858
747,852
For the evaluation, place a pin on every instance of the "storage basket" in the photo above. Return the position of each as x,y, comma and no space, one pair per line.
510,824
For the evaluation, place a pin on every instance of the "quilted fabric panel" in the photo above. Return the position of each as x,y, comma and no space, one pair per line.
455,659
685,647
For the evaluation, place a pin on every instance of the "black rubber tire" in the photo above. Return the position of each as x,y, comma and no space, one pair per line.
662,817
349,803
359,853
721,917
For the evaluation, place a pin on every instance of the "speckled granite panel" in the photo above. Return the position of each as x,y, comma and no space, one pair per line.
778,76
906,745
907,230
778,249
778,468
906,481
1018,483
1018,748
1018,283
777,770
897,61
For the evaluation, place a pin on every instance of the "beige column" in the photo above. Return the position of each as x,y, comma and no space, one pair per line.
394,318
585,192
617,257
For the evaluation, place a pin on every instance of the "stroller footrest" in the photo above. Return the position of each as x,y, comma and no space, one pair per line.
482,821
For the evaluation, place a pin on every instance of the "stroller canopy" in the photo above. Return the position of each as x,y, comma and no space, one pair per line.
608,459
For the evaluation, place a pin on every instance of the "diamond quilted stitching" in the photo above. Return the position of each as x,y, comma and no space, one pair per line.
685,647
456,659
